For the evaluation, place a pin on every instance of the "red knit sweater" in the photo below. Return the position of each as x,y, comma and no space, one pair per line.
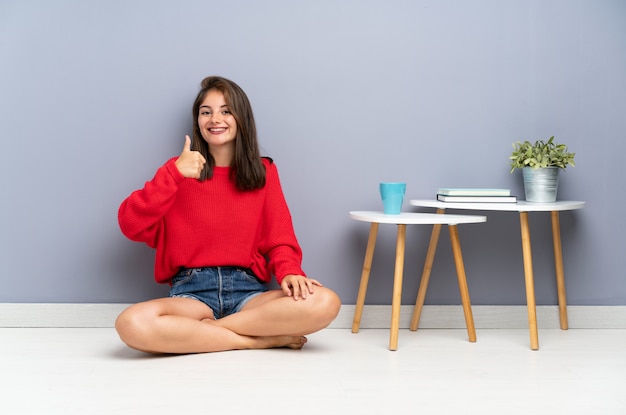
201,224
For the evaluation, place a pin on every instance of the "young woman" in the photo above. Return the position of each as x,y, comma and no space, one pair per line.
218,220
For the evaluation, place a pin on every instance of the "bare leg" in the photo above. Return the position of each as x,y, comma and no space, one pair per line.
183,325
273,313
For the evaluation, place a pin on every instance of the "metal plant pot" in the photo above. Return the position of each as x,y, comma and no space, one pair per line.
541,184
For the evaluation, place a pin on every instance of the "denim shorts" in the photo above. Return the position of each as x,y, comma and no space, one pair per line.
224,289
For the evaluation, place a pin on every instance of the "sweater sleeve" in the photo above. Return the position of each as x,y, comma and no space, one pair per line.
279,240
140,214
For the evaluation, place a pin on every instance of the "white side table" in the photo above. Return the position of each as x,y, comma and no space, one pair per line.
403,219
523,208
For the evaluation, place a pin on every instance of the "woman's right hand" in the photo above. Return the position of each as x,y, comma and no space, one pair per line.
190,163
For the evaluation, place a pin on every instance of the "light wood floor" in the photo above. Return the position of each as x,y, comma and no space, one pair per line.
89,371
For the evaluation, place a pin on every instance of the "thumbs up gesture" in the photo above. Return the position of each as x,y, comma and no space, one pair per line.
190,163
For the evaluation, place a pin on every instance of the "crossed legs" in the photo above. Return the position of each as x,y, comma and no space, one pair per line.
184,325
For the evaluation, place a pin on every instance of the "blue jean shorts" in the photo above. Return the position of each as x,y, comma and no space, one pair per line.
224,289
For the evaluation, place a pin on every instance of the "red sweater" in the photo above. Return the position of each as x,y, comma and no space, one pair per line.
201,224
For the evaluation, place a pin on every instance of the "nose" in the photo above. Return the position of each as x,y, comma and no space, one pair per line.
217,117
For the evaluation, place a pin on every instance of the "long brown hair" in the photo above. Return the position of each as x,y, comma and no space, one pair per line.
247,170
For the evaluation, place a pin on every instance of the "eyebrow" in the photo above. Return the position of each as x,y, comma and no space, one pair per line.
209,107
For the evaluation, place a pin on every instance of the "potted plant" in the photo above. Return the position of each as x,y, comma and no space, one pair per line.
540,162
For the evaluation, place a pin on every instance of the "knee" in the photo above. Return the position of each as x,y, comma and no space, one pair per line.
327,305
132,326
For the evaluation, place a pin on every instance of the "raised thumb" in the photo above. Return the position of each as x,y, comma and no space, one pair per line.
187,146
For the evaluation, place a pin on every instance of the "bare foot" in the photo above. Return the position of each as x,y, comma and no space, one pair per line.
269,342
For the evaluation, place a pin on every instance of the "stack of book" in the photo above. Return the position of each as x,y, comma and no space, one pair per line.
468,195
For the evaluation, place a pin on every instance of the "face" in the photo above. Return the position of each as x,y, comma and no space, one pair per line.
217,124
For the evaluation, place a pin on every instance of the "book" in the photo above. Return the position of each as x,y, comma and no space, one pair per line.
461,191
477,199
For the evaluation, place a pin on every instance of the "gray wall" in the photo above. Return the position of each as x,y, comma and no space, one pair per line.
95,95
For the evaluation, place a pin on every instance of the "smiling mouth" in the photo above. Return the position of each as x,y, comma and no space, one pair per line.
219,130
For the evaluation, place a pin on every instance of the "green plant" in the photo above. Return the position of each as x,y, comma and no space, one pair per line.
540,154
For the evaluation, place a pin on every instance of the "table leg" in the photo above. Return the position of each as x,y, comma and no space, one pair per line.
460,271
397,288
428,266
530,284
365,276
560,275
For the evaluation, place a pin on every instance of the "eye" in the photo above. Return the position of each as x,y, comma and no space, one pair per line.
205,112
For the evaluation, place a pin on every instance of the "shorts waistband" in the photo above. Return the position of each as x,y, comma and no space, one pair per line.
244,269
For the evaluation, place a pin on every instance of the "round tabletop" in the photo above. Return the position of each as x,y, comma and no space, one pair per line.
414,218
520,206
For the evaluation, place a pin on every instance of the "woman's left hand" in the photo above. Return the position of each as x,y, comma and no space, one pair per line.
298,286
